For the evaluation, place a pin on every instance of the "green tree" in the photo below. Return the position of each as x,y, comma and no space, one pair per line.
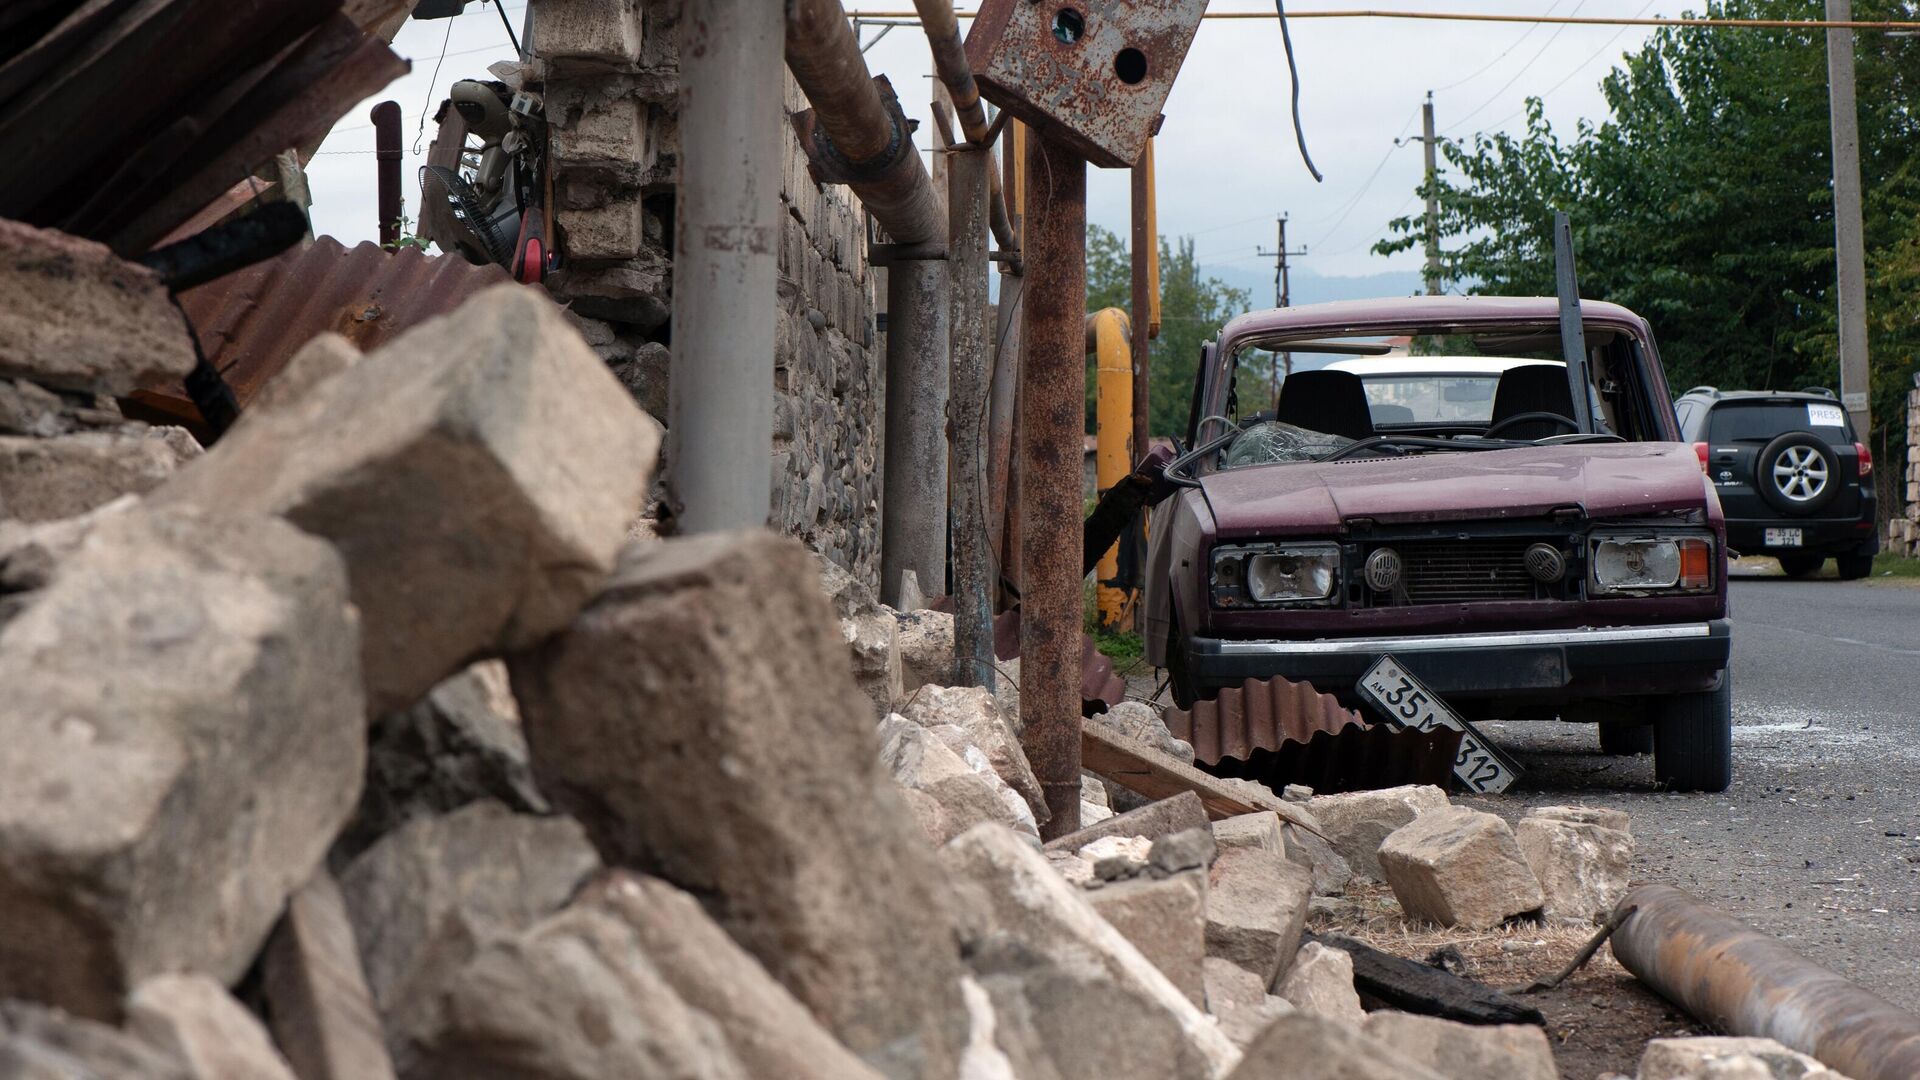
1704,202
1192,310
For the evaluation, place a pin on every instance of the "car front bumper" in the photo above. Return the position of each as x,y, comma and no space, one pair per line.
1532,665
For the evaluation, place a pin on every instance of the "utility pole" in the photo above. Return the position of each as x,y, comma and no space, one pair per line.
1848,248
1282,285
1433,198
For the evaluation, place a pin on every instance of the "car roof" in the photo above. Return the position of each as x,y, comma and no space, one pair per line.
1434,365
1721,396
1412,310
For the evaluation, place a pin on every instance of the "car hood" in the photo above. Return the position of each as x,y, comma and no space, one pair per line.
1607,480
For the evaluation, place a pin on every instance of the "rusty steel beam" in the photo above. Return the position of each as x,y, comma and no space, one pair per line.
386,141
1738,980
1140,303
1052,418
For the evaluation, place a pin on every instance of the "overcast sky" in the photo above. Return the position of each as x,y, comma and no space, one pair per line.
1226,156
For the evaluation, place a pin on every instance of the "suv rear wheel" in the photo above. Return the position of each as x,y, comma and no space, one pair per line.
1854,567
1693,739
1801,565
1797,473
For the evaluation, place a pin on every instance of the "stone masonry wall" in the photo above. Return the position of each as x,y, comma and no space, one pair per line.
610,86
1903,531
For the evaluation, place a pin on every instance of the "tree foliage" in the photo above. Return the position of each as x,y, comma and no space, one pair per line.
1192,309
1704,202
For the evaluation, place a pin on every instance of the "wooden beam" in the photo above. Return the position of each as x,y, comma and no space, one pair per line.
1158,775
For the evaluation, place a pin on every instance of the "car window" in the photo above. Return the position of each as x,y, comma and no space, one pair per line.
1760,421
1683,412
1430,399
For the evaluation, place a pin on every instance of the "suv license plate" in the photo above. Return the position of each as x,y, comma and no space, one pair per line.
1782,537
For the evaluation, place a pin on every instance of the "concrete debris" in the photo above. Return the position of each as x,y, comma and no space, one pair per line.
30,552
68,475
926,648
27,408
459,744
1718,1057
1244,1024
318,360
1256,909
1177,814
1190,849
1116,857
1356,822
1071,993
1459,867
1230,986
1166,919
1467,1051
318,1004
1142,722
920,761
1583,867
1321,982
1258,830
962,744
197,1019
1301,1046
974,710
873,645
983,1059
76,317
156,820
426,898
38,1043
1331,872
477,473
1094,806
700,719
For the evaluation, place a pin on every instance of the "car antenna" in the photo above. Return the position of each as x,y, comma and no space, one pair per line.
1573,337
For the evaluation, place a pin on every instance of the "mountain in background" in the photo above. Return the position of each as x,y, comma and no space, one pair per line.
1308,287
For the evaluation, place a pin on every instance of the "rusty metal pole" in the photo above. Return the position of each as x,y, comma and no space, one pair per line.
1052,420
1736,979
726,236
386,142
1002,408
1139,304
967,405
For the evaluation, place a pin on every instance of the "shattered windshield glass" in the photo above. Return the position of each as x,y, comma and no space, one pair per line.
1271,442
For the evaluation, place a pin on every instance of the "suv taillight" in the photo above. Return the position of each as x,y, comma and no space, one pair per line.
1700,451
1866,459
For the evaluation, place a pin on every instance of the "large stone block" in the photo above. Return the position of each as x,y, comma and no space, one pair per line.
920,761
1583,867
1074,997
1154,820
60,477
1357,821
1166,919
1716,1057
974,710
1505,1051
196,1019
1459,867
700,718
477,473
75,316
430,895
1256,909
873,647
318,1003
926,648
184,738
38,1043
1321,982
1301,1046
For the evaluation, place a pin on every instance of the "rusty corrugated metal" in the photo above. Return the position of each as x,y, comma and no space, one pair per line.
251,323
1282,732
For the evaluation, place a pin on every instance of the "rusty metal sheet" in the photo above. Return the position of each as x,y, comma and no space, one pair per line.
1090,77
1282,732
252,322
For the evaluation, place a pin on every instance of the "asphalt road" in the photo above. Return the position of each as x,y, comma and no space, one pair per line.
1818,839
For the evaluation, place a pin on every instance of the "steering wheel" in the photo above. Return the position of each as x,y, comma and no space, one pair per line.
1525,417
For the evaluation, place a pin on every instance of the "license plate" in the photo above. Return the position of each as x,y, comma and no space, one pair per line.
1781,537
1406,702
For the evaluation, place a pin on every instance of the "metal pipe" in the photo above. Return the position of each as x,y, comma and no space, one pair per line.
1139,303
1052,419
950,64
1113,414
967,405
856,133
726,236
1001,411
386,142
913,508
1733,978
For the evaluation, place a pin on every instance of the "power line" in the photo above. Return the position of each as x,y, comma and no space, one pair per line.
1575,70
1555,36
1355,201
1524,35
913,19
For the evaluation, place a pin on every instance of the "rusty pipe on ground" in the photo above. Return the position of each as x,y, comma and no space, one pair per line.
386,142
856,133
1052,418
1739,980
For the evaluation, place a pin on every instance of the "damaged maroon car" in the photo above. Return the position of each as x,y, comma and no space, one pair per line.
1433,480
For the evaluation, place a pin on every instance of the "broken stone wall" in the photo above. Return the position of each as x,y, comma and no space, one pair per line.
611,80
1903,530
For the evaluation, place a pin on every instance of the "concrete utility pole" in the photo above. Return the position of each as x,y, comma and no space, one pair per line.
726,236
1433,198
1282,288
1848,247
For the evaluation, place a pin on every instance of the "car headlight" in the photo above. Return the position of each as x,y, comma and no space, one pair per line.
1274,574
1641,564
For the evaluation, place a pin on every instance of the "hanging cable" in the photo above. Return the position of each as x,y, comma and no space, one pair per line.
1293,71
432,81
1460,124
1575,70
504,21
1524,35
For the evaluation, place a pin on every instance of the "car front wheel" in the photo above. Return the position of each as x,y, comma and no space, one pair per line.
1693,739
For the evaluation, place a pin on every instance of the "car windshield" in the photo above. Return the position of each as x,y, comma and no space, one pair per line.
1429,399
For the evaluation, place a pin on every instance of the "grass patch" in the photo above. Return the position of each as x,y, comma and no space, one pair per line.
1123,648
1887,564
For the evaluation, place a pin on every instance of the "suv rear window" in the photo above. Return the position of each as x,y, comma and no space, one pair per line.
1759,421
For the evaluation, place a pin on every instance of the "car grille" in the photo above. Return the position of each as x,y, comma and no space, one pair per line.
1463,571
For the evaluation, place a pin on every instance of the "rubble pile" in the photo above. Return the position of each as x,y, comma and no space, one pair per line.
366,745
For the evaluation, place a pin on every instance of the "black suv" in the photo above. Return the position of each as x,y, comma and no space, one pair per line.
1793,480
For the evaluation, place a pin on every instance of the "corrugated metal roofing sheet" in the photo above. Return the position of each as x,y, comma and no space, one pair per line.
250,323
1097,679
